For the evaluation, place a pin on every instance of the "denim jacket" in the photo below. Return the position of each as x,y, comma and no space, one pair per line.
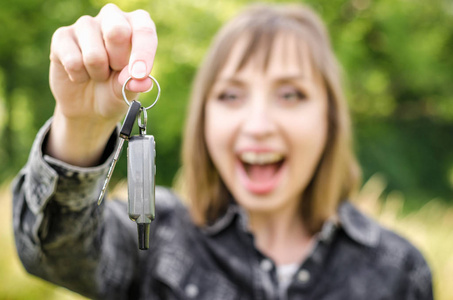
63,236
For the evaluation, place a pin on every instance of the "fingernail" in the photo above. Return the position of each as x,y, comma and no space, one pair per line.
138,70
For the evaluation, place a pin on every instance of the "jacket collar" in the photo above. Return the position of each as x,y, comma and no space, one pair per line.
355,224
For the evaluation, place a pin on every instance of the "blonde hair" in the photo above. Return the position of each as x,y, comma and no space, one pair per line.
337,174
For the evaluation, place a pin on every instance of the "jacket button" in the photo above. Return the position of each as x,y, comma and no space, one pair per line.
266,265
303,276
191,290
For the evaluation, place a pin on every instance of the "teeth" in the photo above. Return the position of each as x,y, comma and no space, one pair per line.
261,158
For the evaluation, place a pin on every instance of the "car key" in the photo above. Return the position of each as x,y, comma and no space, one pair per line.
141,168
125,133
141,171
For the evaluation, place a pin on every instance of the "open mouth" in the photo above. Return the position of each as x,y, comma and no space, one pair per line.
260,170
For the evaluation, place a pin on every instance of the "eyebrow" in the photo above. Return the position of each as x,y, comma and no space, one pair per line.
294,77
287,78
230,80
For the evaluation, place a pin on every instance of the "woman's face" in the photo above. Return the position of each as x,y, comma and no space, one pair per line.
266,128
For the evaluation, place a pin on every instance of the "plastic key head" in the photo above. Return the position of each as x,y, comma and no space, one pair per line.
129,120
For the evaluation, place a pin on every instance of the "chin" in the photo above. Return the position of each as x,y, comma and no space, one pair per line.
261,203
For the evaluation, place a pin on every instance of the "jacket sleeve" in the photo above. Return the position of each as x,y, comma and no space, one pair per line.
63,236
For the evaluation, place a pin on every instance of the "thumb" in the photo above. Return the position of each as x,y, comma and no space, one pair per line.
138,70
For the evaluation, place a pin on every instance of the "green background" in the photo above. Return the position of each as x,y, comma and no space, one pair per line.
398,73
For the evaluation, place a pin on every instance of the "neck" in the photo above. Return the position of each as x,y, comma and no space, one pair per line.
281,235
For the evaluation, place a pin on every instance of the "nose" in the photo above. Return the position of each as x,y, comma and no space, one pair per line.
258,123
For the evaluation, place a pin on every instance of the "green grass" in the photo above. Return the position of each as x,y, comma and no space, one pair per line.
429,228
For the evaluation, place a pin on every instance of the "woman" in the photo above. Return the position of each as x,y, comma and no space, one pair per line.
267,171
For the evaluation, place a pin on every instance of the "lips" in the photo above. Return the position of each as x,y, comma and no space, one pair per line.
260,171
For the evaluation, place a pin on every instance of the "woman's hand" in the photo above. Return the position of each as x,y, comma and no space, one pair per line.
89,62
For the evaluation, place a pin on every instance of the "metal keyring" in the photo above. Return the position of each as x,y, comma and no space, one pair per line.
157,97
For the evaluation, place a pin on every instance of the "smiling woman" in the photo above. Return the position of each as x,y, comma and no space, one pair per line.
267,173
272,77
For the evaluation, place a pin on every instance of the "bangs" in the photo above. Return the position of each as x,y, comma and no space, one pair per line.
260,48
259,43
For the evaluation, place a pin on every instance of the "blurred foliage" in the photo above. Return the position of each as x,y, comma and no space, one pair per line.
396,56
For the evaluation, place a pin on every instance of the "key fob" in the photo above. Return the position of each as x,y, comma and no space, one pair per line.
141,171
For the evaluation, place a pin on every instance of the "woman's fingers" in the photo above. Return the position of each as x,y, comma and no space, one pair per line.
113,40
144,44
143,50
136,86
117,34
130,40
91,43
66,52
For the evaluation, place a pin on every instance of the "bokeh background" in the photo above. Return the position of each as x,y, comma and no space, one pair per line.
397,58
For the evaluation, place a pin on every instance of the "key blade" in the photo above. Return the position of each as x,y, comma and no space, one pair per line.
106,182
125,133
104,188
110,171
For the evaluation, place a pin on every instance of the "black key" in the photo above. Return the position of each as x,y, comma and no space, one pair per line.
125,133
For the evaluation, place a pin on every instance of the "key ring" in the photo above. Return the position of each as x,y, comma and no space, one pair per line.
157,97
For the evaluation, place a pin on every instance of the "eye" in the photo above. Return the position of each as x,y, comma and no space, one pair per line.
290,94
230,94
